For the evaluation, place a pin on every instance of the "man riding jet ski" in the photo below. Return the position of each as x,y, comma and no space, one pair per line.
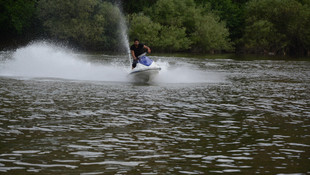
144,69
136,50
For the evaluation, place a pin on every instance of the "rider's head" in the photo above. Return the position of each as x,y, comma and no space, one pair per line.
136,42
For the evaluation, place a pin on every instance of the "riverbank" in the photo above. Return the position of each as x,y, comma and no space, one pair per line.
233,56
15,44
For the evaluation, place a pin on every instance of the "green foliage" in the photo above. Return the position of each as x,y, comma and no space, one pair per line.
136,6
111,35
183,25
174,39
276,26
173,12
156,35
16,15
88,23
229,11
210,35
263,37
144,28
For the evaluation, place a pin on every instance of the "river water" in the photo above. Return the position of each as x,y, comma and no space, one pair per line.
63,112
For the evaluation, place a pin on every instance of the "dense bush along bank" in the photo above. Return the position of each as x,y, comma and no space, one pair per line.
202,26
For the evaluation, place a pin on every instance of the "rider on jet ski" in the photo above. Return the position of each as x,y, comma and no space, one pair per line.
137,49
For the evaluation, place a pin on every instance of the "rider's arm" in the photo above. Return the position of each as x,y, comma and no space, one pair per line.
133,55
148,49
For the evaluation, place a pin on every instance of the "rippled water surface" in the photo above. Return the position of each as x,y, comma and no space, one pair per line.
201,116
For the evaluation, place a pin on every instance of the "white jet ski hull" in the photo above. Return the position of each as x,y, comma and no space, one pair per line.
144,75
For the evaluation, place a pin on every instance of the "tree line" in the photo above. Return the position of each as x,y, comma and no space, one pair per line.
279,27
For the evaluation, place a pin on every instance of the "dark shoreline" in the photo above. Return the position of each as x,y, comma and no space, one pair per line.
15,44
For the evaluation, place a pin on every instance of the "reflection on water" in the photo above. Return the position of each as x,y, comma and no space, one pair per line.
254,120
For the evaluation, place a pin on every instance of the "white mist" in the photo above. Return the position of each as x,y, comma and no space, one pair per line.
46,60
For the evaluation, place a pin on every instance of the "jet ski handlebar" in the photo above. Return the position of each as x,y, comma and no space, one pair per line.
142,55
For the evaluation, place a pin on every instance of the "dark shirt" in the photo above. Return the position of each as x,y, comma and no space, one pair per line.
138,50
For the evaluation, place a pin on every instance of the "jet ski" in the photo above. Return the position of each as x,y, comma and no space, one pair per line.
145,70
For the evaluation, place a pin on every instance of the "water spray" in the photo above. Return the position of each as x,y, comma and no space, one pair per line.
123,27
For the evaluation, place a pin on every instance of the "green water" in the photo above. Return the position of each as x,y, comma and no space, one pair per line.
201,116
